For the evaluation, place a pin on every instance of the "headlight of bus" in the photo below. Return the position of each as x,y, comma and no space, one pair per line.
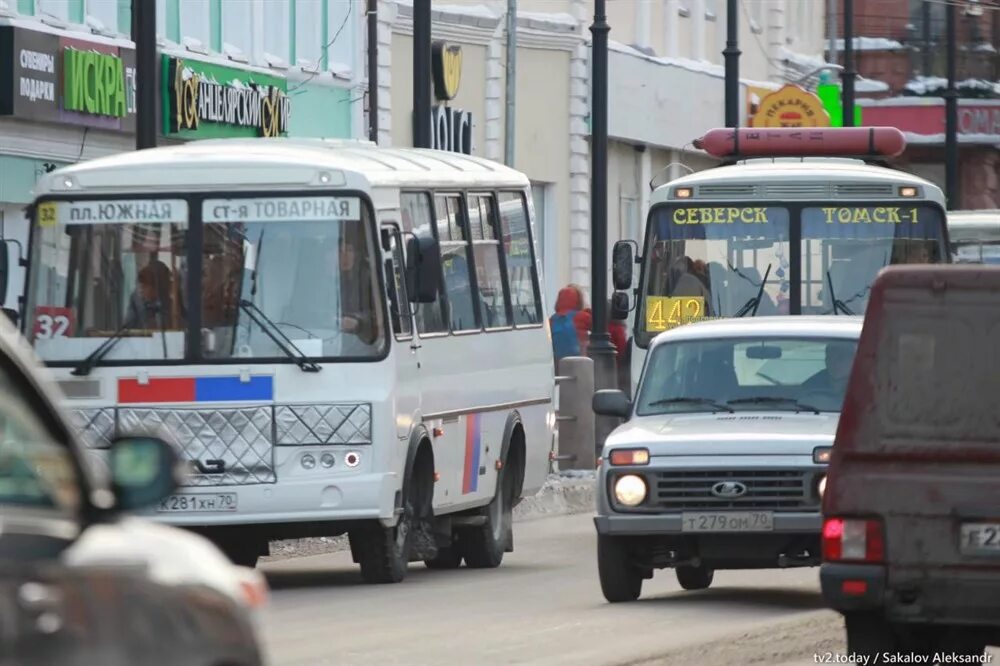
630,490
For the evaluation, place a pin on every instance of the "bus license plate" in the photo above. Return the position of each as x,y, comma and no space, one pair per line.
202,503
980,539
729,521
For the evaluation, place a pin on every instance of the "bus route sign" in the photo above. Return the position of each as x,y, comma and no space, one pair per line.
666,312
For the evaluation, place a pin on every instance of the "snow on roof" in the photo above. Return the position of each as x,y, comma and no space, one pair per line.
925,85
872,44
863,85
685,63
912,138
541,21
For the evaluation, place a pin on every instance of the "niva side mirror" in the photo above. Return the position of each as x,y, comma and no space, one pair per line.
144,470
611,402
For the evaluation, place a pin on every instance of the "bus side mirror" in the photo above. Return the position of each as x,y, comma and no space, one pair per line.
4,270
619,305
622,261
423,268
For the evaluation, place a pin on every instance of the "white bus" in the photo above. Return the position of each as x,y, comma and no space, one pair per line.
340,338
787,226
974,236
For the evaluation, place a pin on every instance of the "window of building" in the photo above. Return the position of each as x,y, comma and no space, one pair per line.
522,276
455,261
309,31
395,272
237,25
343,21
417,216
105,11
493,309
196,21
277,15
57,8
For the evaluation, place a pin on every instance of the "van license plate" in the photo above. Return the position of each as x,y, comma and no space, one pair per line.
200,503
980,539
729,521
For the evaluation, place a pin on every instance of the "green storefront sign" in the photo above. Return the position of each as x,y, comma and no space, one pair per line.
93,82
202,100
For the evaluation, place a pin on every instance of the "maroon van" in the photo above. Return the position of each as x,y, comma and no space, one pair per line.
911,533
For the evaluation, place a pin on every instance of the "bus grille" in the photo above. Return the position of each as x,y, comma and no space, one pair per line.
766,489
864,190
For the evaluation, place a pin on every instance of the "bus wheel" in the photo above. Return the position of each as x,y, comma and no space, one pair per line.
484,546
384,552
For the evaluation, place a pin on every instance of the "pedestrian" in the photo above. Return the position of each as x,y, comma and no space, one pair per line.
567,322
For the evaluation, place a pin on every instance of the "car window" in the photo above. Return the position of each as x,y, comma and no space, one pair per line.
36,471
770,374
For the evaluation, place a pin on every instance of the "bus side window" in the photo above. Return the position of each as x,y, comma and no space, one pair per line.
522,276
418,216
399,304
493,307
456,260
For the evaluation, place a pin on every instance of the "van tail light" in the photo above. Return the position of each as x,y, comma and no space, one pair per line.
853,540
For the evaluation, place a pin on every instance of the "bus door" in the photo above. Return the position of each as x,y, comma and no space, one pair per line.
407,381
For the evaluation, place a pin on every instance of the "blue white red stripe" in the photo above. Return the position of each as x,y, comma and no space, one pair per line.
196,389
470,479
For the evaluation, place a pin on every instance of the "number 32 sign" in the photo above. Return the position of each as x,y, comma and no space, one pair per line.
52,322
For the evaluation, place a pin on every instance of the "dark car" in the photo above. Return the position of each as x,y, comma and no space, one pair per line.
80,581
911,535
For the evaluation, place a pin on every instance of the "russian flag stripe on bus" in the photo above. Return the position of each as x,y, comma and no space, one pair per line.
196,389
470,479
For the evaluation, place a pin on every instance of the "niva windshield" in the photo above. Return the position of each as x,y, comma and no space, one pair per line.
747,374
273,270
761,260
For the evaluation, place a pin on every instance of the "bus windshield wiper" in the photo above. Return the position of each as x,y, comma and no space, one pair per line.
274,332
104,349
754,303
773,400
718,406
838,305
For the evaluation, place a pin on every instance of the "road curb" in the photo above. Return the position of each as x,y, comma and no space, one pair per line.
562,495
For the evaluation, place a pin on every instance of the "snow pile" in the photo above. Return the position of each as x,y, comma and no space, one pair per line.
935,86
872,44
565,493
863,85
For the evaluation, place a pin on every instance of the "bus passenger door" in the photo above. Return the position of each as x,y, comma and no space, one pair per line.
406,359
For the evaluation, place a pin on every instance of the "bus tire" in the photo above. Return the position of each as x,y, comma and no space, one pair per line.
384,552
484,547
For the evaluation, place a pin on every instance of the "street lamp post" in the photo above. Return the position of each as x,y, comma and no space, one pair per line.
848,74
951,115
732,57
601,350
144,36
422,74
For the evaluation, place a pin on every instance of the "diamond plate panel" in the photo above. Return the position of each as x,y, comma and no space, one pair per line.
95,427
240,437
323,424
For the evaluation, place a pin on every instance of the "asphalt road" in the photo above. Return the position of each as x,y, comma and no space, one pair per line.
542,606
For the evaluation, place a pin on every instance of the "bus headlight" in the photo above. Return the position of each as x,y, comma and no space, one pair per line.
630,490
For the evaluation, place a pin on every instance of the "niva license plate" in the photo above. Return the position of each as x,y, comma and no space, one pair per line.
728,521
200,503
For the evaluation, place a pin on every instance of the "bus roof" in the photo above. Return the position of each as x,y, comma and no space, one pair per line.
798,178
278,163
974,219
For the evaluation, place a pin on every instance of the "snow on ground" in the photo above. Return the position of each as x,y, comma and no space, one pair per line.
565,493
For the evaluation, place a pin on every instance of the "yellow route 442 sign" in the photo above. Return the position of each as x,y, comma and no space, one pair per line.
791,107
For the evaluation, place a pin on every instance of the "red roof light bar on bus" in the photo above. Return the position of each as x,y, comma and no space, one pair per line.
798,142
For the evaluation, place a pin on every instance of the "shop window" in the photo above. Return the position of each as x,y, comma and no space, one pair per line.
493,308
196,21
455,261
522,276
417,217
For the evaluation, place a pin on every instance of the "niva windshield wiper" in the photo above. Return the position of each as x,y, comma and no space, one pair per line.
838,305
104,349
272,331
773,400
754,303
718,406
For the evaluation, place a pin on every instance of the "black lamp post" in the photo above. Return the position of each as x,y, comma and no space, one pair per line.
732,58
144,36
951,115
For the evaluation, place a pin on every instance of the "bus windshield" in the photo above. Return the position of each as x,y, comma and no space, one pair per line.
119,273
770,259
